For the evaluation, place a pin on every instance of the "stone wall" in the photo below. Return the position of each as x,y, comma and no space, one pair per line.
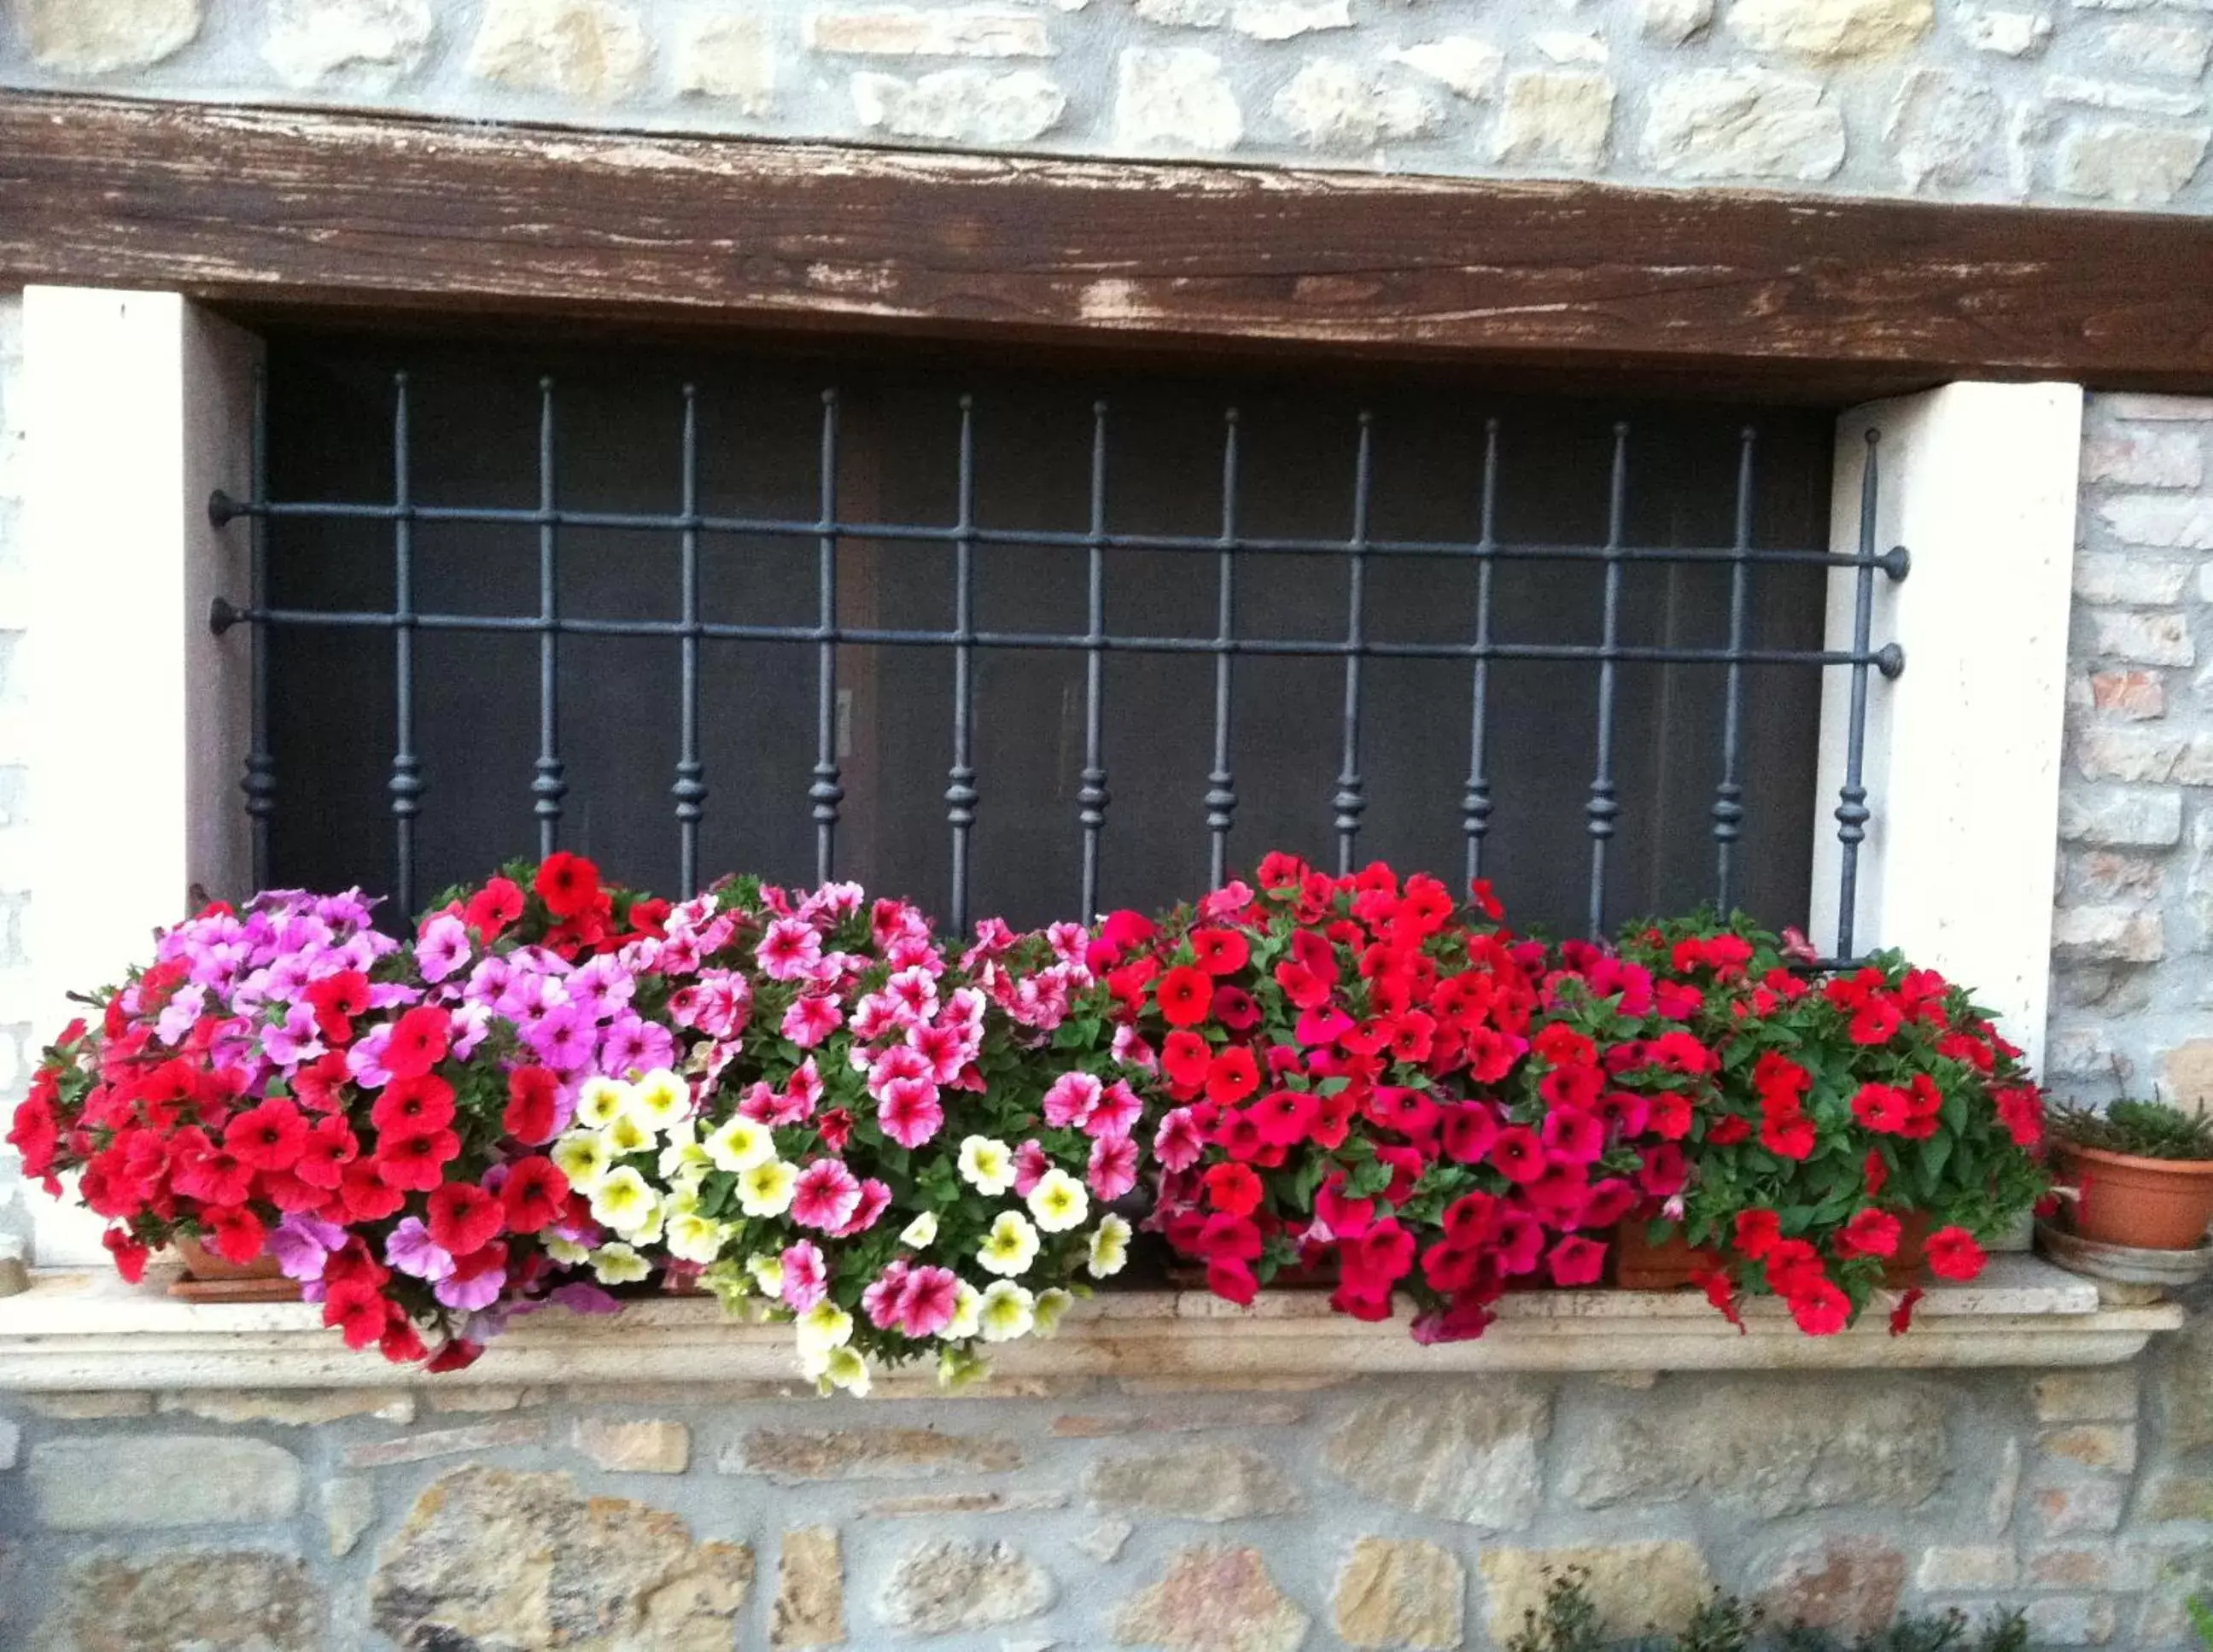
2132,974
2060,100
18,995
1086,1516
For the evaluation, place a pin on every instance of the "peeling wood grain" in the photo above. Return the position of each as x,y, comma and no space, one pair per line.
288,210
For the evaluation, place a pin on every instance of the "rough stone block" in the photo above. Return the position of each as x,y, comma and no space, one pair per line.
370,44
2006,33
2148,639
2186,1387
1466,1453
2081,1507
2117,819
1175,98
91,1407
792,1456
2165,48
11,1443
1743,123
2134,696
1401,1593
448,1442
2187,1070
96,37
2104,1568
1106,1425
949,1587
1831,31
122,1482
490,1558
2145,459
1966,1568
1285,20
1208,1482
2174,1496
2103,1394
592,50
2161,521
292,1408
911,32
2153,755
1339,104
1638,1588
722,54
810,1609
2110,935
1554,118
1214,1598
1947,129
1850,1584
2074,1620
2130,577
2111,1447
187,1598
961,106
653,1446
1770,1447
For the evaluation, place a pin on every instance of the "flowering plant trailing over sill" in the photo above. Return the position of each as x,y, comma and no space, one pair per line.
826,1114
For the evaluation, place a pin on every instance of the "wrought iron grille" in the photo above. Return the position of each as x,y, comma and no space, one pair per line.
1218,557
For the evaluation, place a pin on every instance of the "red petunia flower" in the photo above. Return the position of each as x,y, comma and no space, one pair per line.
413,1107
1953,1254
366,1196
1183,994
568,884
534,1194
129,1255
417,1162
463,1217
1233,1189
268,1137
1821,1309
417,1042
1790,1138
530,1113
233,1233
1756,1233
337,999
1869,1233
1901,1317
1728,1130
1576,1261
330,1147
1220,952
492,908
1518,1154
1232,1075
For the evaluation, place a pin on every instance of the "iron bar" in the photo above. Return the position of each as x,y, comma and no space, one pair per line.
1091,797
406,785
1351,798
1220,779
1598,813
549,783
825,794
259,784
690,788
1475,801
961,778
224,509
1728,795
1852,812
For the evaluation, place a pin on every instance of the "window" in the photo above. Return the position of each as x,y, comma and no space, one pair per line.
691,613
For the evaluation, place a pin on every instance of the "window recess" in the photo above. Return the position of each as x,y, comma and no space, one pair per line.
1026,639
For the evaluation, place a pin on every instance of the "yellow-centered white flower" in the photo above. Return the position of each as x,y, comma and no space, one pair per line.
767,1269
566,1250
1059,1202
738,1144
966,1306
919,1231
1006,1311
625,1135
618,1264
1110,1247
600,1101
624,1201
1010,1246
845,1368
660,1100
1050,1305
694,1238
583,1157
765,1190
824,1326
986,1165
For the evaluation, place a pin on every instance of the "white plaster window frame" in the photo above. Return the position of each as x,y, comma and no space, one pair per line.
139,406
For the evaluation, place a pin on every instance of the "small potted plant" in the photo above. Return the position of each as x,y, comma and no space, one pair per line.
2142,1171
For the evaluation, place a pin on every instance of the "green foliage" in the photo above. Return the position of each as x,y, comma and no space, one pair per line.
1569,1622
2143,1130
2201,1619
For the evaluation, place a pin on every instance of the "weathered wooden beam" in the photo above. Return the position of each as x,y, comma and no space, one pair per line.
290,209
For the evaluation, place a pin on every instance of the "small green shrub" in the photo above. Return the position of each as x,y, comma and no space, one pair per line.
2201,1619
1568,1621
2143,1130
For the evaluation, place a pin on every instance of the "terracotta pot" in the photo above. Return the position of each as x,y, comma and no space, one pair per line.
1639,1264
2151,1204
201,1263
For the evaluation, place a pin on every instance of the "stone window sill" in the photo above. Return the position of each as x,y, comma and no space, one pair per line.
78,1330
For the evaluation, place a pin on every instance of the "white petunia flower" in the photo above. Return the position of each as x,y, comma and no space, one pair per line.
738,1144
767,1269
1007,1312
1010,1246
766,1189
1059,1202
660,1099
1110,1247
620,1264
987,1166
966,1306
625,1136
1050,1305
917,1234
694,1238
824,1326
582,1158
601,1101
624,1202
